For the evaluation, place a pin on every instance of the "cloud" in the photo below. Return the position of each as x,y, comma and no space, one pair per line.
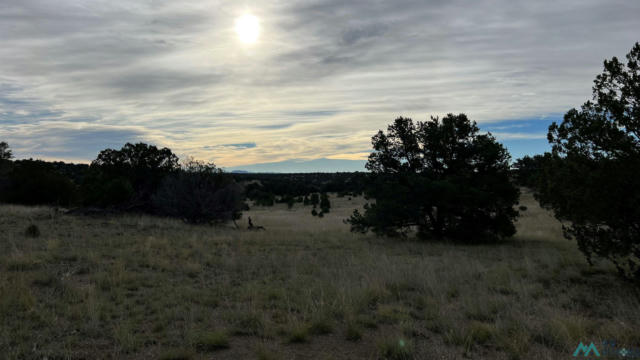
324,76
355,34
238,146
68,140
515,135
276,126
312,113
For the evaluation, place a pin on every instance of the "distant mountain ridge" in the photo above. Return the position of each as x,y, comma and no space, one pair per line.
302,166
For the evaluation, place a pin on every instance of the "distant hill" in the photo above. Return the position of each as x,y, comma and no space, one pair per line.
302,166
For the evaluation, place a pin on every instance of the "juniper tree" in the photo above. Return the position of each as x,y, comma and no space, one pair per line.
441,177
591,180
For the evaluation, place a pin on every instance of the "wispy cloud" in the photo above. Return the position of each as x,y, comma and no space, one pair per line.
516,135
249,145
324,76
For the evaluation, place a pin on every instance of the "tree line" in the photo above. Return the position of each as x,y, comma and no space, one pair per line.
144,178
137,177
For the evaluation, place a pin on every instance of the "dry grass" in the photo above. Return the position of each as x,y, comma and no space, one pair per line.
142,287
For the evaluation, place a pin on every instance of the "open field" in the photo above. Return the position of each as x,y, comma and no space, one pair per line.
142,287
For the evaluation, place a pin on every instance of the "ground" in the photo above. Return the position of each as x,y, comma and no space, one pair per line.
133,287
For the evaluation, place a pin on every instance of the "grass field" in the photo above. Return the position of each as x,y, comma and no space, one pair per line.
138,287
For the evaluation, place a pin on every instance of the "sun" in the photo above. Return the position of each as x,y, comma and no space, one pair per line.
248,28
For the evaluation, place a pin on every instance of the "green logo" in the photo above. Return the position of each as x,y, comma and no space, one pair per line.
586,350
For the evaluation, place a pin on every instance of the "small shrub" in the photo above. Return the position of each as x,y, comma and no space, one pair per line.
212,341
45,280
353,332
22,263
481,333
367,321
176,354
321,326
514,338
482,310
390,314
436,325
193,270
263,353
248,324
299,334
325,204
395,349
158,328
32,231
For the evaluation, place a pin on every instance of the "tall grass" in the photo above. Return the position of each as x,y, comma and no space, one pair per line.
145,287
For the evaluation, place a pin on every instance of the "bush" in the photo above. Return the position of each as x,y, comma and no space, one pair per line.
591,179
34,182
441,177
314,200
212,341
5,151
32,231
325,204
527,170
128,178
259,197
395,349
199,193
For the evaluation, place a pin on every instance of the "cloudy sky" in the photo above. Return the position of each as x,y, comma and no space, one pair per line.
323,76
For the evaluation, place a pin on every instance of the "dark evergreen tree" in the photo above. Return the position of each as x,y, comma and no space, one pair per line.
591,181
5,151
35,182
325,204
5,169
315,199
527,170
128,177
441,177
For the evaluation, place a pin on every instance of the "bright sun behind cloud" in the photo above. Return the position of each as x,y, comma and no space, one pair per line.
248,28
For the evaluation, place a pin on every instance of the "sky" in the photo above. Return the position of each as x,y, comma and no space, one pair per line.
321,77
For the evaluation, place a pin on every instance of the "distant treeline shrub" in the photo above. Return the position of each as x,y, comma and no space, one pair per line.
128,178
33,182
138,177
528,169
268,189
199,193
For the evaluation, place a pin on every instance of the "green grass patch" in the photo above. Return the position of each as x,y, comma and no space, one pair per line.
211,341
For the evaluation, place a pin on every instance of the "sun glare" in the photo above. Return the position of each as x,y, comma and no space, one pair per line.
248,28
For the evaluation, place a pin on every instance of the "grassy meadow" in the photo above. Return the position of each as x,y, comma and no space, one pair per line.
139,287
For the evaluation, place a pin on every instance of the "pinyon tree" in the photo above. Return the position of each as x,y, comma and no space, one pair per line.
441,177
591,181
